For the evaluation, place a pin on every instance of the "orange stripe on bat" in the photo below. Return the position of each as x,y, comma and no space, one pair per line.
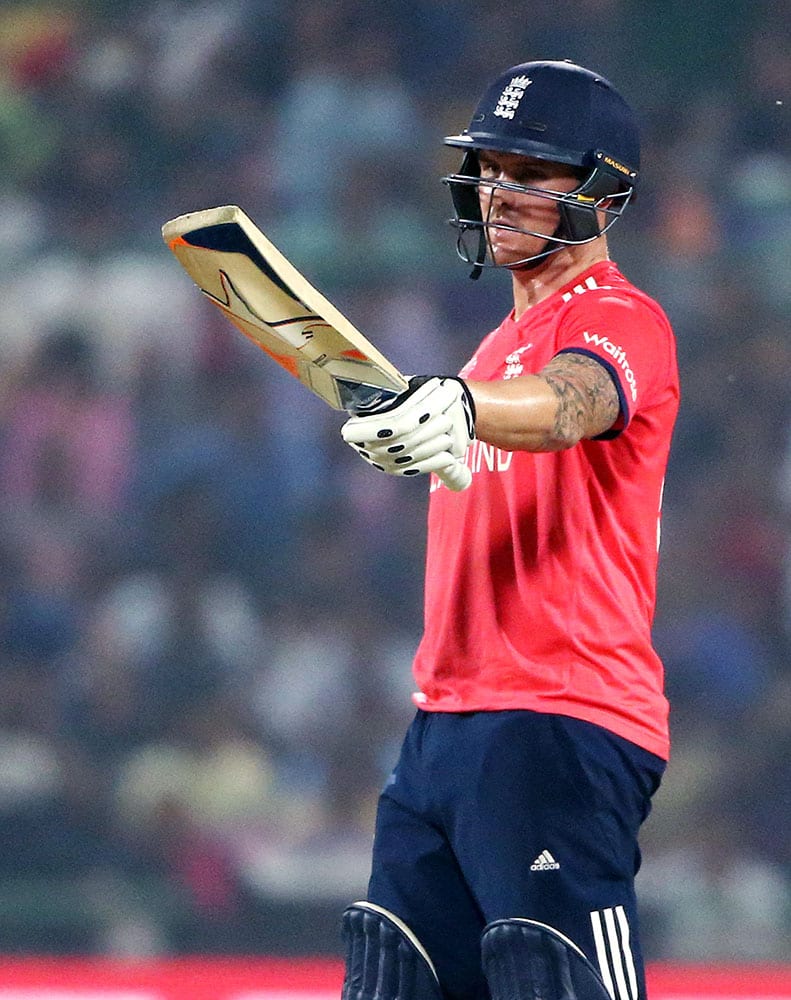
284,360
179,241
290,364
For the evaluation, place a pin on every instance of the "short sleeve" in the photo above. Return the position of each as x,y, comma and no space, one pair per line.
630,337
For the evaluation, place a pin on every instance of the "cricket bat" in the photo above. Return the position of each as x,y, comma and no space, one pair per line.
261,292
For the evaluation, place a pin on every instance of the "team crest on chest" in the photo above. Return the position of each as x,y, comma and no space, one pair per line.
514,366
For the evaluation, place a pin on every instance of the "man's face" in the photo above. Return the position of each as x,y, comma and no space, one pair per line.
518,209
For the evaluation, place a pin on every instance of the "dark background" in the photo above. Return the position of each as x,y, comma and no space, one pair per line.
208,606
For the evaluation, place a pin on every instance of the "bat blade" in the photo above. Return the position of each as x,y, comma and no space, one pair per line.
261,292
242,273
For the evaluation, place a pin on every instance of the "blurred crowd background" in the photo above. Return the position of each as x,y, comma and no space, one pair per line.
208,606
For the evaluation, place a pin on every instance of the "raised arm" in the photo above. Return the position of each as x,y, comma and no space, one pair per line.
429,428
571,398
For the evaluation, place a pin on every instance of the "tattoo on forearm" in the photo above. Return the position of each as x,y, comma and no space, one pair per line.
587,398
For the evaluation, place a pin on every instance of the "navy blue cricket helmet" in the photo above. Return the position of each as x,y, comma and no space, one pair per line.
556,111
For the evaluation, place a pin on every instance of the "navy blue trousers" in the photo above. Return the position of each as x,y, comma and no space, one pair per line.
491,815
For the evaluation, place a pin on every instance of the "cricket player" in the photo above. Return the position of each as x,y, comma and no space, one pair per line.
506,841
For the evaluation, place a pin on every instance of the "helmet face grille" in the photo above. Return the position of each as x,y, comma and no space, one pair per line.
578,215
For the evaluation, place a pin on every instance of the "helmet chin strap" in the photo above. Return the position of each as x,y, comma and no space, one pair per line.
477,269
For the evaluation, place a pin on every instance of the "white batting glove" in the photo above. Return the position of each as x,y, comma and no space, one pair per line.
426,429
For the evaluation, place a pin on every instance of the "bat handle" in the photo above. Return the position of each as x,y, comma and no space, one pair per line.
456,477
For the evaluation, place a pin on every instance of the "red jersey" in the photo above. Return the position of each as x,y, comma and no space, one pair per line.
541,576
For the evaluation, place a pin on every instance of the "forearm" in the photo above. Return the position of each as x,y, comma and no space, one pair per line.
572,398
521,414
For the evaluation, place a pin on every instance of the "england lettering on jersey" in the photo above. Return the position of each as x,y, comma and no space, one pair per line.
541,577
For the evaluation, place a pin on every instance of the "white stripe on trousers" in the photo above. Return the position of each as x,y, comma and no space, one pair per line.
614,952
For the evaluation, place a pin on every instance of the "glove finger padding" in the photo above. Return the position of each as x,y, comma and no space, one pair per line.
434,463
438,429
437,445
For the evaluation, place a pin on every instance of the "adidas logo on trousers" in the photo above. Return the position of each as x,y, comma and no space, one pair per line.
544,863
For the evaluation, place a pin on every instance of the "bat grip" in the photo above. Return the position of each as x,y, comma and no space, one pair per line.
456,477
